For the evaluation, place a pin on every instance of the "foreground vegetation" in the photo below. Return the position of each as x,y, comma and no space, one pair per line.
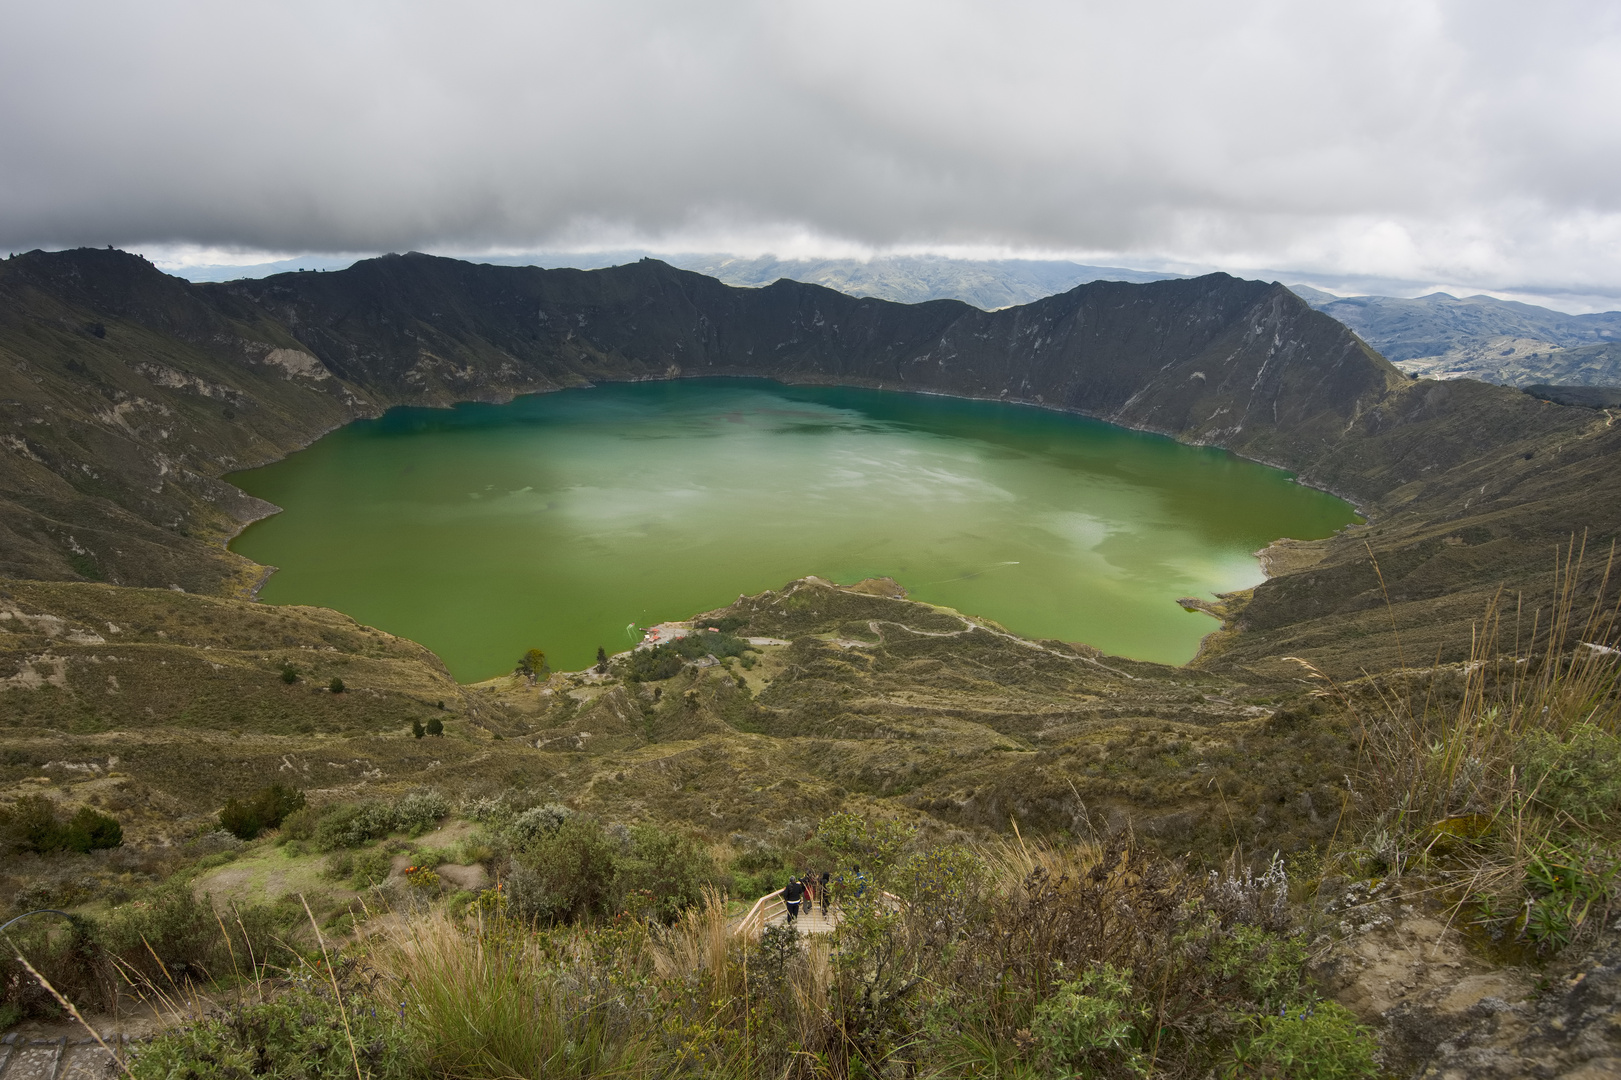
1497,782
1089,866
1006,960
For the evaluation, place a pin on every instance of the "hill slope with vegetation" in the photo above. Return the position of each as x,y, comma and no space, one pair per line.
139,679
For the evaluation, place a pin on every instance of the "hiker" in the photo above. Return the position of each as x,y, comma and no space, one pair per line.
791,897
809,878
824,892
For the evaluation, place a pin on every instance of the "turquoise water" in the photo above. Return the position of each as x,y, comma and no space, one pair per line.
559,520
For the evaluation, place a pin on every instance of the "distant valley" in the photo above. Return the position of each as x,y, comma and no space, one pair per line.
1440,336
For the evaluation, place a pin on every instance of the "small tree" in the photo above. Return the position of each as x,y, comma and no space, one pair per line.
30,824
602,660
417,729
533,665
266,808
336,685
289,674
436,726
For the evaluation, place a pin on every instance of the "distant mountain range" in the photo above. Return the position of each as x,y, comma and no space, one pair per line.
910,279
1440,336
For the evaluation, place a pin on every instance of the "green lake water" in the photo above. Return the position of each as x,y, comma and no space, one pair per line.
559,521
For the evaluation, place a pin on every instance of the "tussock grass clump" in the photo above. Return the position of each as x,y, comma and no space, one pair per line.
1501,778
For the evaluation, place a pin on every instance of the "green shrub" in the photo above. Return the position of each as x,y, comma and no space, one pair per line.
169,936
651,665
1579,774
420,811
67,953
369,868
300,824
1268,966
537,823
1321,1041
289,674
350,825
872,844
90,830
1089,1026
436,726
265,809
30,824
299,1033
336,685
663,661
566,876
663,875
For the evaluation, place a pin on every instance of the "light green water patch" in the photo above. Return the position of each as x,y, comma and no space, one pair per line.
557,521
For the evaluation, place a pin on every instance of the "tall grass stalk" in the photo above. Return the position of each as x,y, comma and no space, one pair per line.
1464,769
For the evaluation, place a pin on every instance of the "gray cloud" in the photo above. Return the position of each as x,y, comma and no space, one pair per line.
1469,141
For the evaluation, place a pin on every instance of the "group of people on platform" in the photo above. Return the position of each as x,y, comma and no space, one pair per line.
812,888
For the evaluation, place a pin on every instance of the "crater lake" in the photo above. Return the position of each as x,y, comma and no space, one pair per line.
564,521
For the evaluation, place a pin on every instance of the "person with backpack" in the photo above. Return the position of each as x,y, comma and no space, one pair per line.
792,896
826,877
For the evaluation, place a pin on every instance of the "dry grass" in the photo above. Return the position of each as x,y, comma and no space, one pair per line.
1489,777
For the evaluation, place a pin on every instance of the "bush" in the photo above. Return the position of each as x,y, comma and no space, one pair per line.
537,823
1090,1026
65,952
1321,1041
567,876
300,824
170,936
420,811
1268,966
266,808
299,1033
336,685
369,868
663,875
350,825
436,726
652,665
1579,774
30,824
872,845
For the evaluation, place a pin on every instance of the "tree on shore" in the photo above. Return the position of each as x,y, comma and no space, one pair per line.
533,665
602,660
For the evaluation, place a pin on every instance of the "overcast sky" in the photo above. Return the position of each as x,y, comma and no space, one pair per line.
1474,142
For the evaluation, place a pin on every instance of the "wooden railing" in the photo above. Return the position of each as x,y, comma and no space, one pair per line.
755,919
